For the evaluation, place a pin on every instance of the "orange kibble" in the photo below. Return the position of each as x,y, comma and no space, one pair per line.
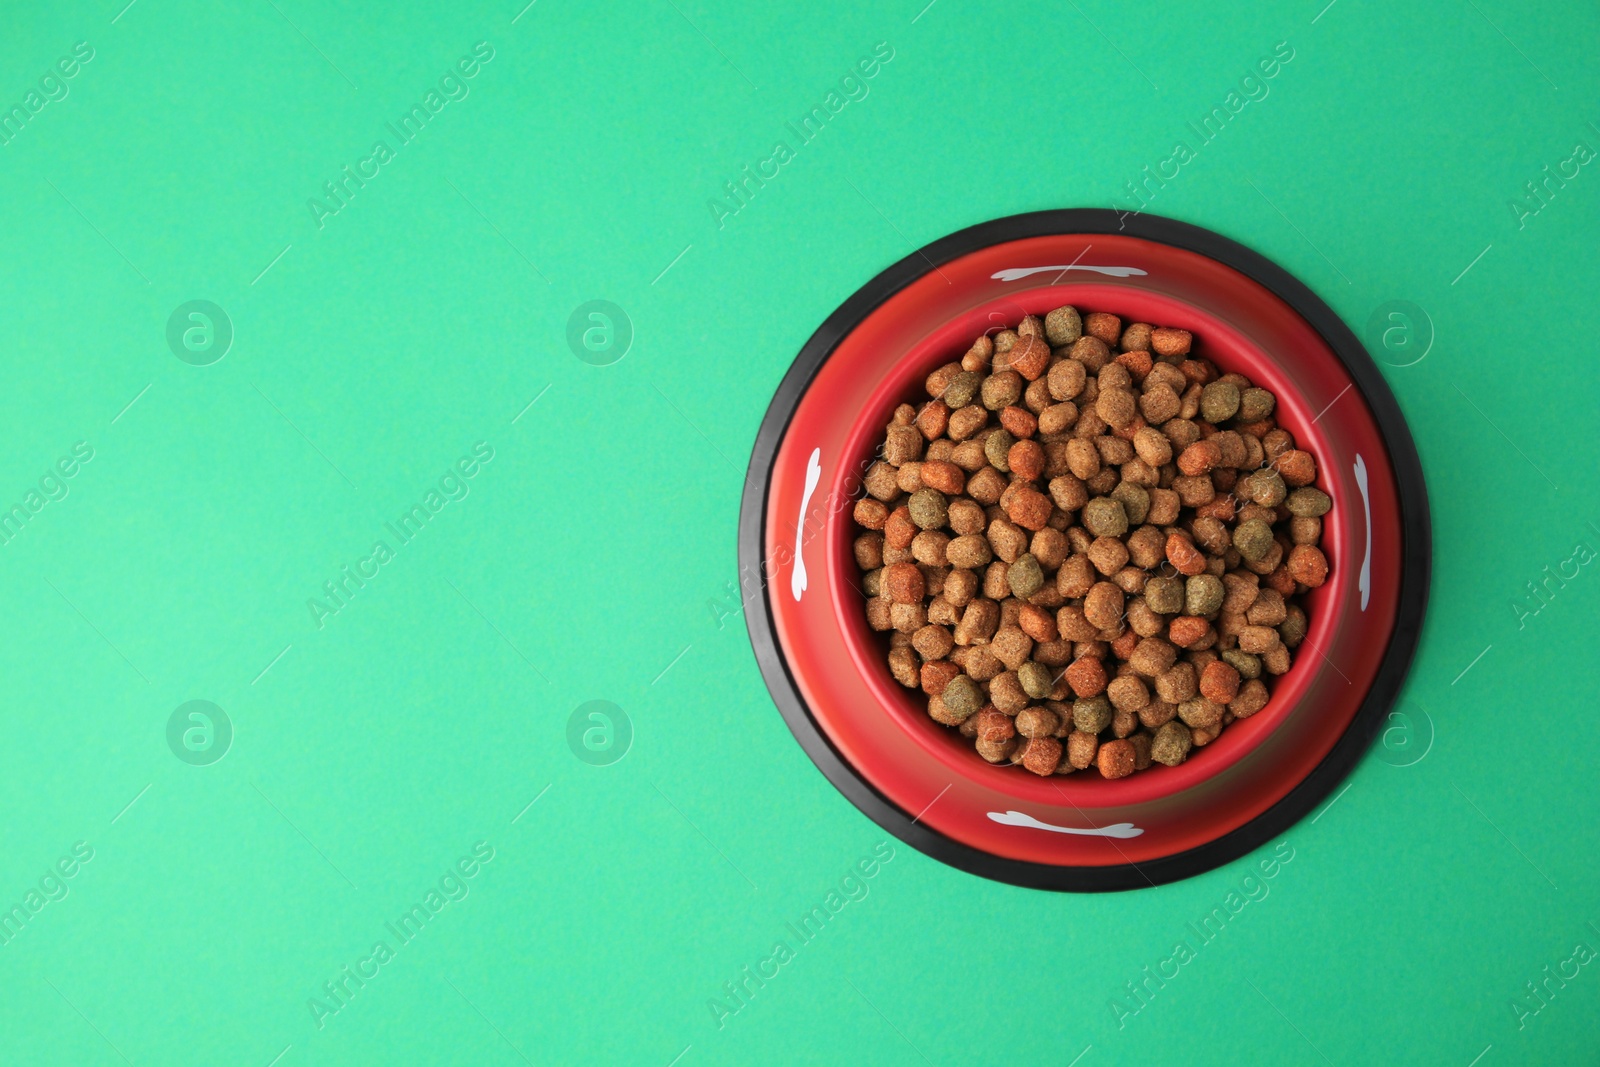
1186,631
1219,682
1026,460
1200,458
1182,554
1307,565
1087,676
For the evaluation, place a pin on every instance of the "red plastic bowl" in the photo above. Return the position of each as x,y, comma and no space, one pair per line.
924,782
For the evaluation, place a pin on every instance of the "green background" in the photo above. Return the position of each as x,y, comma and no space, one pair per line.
594,557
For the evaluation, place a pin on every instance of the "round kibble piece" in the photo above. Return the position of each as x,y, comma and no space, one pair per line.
1105,517
1171,744
1025,576
1252,539
1219,401
928,508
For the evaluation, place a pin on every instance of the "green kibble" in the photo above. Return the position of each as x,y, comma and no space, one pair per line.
1266,487
962,388
1091,714
1292,630
1171,744
1308,502
1036,679
928,509
962,697
1247,665
1202,595
1252,538
1105,517
1219,401
1063,325
1164,595
1025,576
1135,501
1001,389
1255,405
995,449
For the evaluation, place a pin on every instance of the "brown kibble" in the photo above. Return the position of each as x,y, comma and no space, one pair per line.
871,513
939,380
969,551
903,666
1252,698
1170,343
1127,693
1258,639
996,751
967,421
1177,683
979,622
1115,759
1106,327
1117,407
1037,722
1081,749
1103,605
907,618
995,725
1136,337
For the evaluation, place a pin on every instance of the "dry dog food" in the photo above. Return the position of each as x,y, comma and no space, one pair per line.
1088,546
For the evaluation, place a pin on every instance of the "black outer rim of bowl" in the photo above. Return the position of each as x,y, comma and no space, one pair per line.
1416,554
